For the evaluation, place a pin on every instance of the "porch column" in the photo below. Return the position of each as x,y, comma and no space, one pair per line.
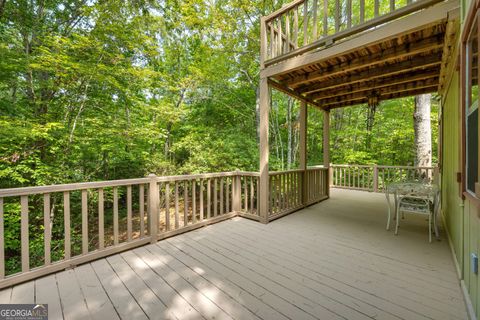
326,147
303,150
264,178
326,138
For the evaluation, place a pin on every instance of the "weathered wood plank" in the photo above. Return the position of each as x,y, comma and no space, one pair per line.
46,292
201,303
178,306
215,294
123,302
145,297
98,303
23,293
72,299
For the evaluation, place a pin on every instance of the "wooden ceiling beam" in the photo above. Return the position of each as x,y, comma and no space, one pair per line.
391,54
292,93
376,84
383,91
390,96
374,73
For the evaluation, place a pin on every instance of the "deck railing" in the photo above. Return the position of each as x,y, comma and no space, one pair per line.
375,178
50,228
305,25
294,189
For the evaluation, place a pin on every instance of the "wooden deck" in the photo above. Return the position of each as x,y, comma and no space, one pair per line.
333,260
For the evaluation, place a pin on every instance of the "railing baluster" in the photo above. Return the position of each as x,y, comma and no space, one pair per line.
185,203
194,201
215,198
349,14
287,31
305,22
115,215
209,198
227,194
337,15
272,40
315,19
177,218
258,193
392,5
66,224
84,221
167,206
222,187
245,191
2,241
279,33
129,213
325,18
101,220
24,234
295,27
141,192
376,8
47,231
251,195
362,11
201,200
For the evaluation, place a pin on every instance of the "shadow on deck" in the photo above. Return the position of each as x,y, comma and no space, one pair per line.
333,260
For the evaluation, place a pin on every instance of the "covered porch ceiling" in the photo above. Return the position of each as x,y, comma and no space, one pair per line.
403,58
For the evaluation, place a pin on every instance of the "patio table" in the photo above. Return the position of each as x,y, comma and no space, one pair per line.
418,189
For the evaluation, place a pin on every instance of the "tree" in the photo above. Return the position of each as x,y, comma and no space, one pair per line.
423,131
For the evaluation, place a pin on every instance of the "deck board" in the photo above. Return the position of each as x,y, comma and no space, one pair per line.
333,260
46,291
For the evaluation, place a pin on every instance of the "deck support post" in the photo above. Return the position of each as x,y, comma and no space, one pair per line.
303,149
153,207
326,146
264,150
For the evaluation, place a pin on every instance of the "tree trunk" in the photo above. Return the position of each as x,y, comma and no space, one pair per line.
423,131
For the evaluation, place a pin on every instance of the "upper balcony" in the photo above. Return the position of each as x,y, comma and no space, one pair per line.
337,53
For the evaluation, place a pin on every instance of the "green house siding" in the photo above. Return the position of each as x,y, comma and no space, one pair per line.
460,217
451,202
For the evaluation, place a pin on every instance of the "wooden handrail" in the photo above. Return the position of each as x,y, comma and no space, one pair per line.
376,177
163,206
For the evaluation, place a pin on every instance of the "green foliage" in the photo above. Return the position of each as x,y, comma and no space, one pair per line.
99,90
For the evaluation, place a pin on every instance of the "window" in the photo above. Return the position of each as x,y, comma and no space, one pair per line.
471,108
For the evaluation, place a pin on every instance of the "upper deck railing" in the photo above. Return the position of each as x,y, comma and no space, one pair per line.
305,25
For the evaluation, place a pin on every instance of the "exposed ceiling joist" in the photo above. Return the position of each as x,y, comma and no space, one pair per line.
381,92
379,72
385,56
397,95
375,84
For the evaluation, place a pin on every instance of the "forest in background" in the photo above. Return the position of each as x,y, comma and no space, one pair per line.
100,90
